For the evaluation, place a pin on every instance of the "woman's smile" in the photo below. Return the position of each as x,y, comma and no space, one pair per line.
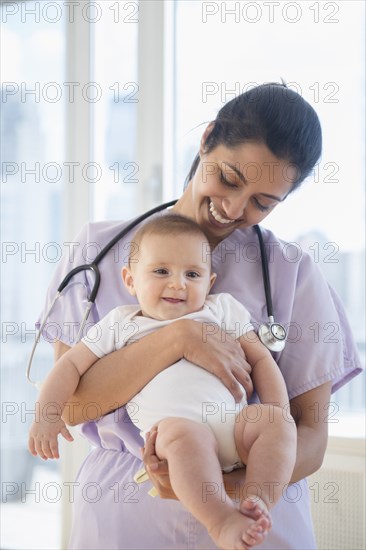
218,217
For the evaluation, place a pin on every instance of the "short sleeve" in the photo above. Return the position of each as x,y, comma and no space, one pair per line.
101,337
234,317
351,359
319,337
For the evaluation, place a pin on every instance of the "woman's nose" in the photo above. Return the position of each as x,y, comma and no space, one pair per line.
234,207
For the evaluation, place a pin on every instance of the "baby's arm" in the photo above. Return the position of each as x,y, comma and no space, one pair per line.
266,375
58,387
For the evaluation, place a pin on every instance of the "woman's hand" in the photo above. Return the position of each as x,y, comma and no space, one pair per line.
158,472
217,352
157,469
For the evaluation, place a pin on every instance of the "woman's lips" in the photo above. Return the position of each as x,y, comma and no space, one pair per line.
215,222
218,217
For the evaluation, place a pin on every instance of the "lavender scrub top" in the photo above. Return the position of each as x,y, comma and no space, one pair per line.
110,510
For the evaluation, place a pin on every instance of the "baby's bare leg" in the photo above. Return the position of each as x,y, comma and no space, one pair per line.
265,438
195,473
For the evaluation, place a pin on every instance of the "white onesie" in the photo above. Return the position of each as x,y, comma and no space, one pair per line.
184,389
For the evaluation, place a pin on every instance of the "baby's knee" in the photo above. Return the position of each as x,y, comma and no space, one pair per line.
181,431
171,428
278,419
266,417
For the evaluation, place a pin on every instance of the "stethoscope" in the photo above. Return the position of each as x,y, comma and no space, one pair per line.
272,335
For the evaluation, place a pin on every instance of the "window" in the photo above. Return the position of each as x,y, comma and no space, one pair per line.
32,151
114,65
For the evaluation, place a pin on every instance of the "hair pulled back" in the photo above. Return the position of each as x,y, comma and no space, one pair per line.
274,115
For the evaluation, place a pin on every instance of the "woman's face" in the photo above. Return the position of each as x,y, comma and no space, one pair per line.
237,187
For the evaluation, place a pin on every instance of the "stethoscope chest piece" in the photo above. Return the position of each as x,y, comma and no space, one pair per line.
273,336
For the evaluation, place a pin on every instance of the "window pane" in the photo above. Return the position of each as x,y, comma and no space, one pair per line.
115,72
32,151
224,48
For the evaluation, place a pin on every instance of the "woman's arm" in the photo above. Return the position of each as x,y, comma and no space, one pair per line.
310,411
118,377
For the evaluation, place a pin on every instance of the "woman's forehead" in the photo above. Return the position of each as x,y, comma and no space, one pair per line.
253,162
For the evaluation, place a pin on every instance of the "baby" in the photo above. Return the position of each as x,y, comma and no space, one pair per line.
201,431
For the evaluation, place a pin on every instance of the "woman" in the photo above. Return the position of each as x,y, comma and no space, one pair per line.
260,148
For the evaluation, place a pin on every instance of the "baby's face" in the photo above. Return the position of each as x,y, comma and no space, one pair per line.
172,275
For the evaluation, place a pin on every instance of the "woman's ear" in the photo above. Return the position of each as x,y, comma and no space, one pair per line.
204,137
127,279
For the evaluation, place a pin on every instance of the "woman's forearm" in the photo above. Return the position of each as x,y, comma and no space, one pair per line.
116,378
311,447
312,430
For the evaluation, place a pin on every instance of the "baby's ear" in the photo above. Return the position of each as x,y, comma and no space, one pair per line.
128,280
212,280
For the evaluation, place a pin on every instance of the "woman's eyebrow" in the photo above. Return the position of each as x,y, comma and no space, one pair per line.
242,178
278,199
237,172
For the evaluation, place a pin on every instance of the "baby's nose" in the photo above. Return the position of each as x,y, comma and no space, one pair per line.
177,282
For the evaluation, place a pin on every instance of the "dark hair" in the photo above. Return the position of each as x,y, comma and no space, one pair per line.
167,224
274,115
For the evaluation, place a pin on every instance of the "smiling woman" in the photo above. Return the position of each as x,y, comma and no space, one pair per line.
230,196
261,146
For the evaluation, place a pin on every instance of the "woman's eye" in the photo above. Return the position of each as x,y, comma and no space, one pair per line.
260,206
227,182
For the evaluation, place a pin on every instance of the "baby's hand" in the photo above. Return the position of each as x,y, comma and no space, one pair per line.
43,438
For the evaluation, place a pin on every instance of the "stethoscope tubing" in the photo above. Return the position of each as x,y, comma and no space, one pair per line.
94,267
265,273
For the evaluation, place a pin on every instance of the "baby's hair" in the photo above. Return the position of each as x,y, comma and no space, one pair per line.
164,225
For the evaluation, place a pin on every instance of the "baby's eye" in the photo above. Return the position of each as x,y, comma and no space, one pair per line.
161,271
193,274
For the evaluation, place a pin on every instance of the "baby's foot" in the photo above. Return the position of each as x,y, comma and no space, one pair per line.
254,507
238,532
